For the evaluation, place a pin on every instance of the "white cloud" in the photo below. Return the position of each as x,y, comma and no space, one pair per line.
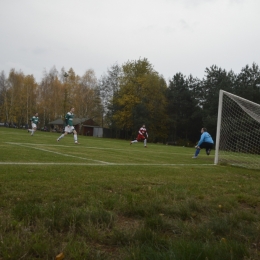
174,35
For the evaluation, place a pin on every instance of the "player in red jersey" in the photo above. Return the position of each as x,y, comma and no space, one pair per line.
142,136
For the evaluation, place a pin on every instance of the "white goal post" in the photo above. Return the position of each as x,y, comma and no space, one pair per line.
238,132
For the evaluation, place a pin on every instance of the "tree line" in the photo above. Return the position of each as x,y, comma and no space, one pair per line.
126,97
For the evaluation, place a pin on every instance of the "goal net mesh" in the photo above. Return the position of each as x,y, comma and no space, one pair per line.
239,135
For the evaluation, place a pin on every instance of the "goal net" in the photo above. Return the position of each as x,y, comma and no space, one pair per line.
238,132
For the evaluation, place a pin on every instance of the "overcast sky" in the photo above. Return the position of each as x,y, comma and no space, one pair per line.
184,36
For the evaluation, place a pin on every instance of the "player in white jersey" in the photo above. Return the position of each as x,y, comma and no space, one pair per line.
142,136
34,121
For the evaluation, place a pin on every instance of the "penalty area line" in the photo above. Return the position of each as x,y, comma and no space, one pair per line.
63,154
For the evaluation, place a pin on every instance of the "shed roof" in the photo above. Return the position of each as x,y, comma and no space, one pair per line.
59,121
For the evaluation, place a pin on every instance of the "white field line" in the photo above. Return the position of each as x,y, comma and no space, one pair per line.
63,154
101,164
97,148
98,163
66,146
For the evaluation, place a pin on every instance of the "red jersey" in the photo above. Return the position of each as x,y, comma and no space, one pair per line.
142,134
142,131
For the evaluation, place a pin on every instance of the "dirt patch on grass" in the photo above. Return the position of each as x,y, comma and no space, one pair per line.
124,223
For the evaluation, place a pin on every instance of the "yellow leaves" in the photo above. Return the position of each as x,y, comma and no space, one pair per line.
123,116
19,98
223,240
128,100
59,256
123,119
141,96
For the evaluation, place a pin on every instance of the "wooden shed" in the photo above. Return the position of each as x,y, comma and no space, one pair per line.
88,127
83,126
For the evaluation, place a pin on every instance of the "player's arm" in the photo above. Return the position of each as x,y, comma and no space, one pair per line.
201,140
67,120
145,135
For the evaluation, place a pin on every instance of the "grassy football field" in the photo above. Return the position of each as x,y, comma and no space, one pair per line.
107,199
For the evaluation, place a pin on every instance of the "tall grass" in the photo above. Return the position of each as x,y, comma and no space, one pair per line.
105,199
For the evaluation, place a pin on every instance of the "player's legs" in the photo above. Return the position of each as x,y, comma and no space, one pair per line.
34,127
142,138
139,139
136,140
68,129
196,152
33,130
65,133
75,136
30,130
208,147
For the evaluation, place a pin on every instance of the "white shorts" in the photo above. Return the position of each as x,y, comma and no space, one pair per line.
69,129
34,125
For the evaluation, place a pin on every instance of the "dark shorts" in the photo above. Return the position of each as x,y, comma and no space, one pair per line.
206,146
140,137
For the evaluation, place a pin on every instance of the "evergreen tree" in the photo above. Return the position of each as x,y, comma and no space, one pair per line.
216,79
183,109
248,83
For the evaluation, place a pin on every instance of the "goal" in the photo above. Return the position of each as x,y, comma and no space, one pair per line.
238,132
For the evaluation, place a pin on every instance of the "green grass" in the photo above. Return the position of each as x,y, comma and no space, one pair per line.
106,199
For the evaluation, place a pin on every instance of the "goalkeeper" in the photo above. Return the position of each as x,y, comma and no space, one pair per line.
205,141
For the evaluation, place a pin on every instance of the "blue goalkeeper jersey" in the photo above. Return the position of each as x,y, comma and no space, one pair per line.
205,138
